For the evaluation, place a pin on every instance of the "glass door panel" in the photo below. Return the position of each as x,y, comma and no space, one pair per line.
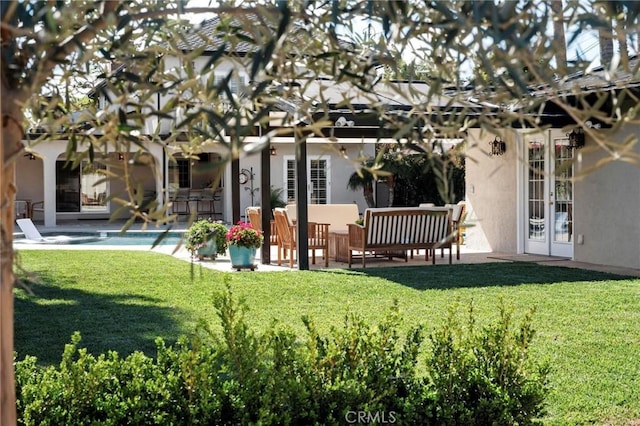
549,196
536,190
93,197
562,198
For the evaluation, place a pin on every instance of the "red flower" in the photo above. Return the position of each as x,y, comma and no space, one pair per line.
244,235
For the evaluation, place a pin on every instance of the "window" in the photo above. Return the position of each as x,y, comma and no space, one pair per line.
290,180
236,83
180,174
67,187
317,182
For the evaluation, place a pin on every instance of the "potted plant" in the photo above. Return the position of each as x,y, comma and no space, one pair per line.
243,240
205,238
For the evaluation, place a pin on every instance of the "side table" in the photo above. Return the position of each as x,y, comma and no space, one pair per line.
339,246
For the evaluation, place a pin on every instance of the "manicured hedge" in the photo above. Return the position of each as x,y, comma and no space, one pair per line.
355,374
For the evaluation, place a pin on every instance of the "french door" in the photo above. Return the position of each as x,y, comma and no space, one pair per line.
548,209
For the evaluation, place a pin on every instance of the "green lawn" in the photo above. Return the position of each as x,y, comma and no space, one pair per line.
588,323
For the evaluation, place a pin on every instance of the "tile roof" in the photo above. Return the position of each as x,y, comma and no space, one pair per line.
207,35
596,80
210,35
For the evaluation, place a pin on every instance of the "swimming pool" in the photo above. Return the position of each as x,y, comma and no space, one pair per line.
110,238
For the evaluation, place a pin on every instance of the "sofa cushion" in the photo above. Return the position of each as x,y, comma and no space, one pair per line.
336,215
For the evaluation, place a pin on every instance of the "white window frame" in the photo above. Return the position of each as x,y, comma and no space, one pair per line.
287,158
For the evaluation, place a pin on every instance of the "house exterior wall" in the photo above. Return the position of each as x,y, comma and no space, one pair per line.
43,185
174,64
36,180
607,206
606,201
491,194
340,169
29,178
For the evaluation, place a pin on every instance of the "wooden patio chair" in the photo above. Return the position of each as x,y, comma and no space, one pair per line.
254,216
318,238
458,215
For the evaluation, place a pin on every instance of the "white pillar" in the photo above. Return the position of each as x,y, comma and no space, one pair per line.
49,184
226,194
157,152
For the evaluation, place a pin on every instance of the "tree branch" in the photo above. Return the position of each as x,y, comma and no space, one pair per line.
56,53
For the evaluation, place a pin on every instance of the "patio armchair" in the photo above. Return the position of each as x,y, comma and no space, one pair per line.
38,206
254,216
318,238
23,208
458,215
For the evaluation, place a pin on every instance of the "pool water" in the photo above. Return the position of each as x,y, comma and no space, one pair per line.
141,240
131,238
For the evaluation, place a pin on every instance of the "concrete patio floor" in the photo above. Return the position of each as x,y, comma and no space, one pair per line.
223,263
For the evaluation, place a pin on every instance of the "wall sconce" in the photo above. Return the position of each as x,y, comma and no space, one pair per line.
576,138
120,156
343,151
273,150
498,146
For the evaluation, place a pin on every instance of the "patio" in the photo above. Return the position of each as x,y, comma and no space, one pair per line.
223,263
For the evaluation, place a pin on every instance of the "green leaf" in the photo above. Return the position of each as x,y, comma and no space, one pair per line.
217,54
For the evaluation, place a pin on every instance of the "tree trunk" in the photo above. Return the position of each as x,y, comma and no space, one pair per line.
621,36
605,36
367,191
13,99
391,185
10,147
559,40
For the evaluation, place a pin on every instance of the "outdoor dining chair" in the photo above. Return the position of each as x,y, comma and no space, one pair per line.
318,238
254,216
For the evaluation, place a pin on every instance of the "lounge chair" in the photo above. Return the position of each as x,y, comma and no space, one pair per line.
33,236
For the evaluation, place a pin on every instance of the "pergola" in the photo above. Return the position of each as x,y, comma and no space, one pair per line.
363,119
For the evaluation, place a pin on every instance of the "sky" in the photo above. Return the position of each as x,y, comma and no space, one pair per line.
585,46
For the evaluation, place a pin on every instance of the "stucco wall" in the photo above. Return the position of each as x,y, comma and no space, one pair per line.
607,209
340,169
36,179
29,179
491,188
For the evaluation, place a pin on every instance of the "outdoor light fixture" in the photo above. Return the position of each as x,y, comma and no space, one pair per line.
31,156
498,146
343,151
120,156
273,150
576,138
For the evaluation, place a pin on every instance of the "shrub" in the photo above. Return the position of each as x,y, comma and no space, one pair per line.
201,232
485,376
237,377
